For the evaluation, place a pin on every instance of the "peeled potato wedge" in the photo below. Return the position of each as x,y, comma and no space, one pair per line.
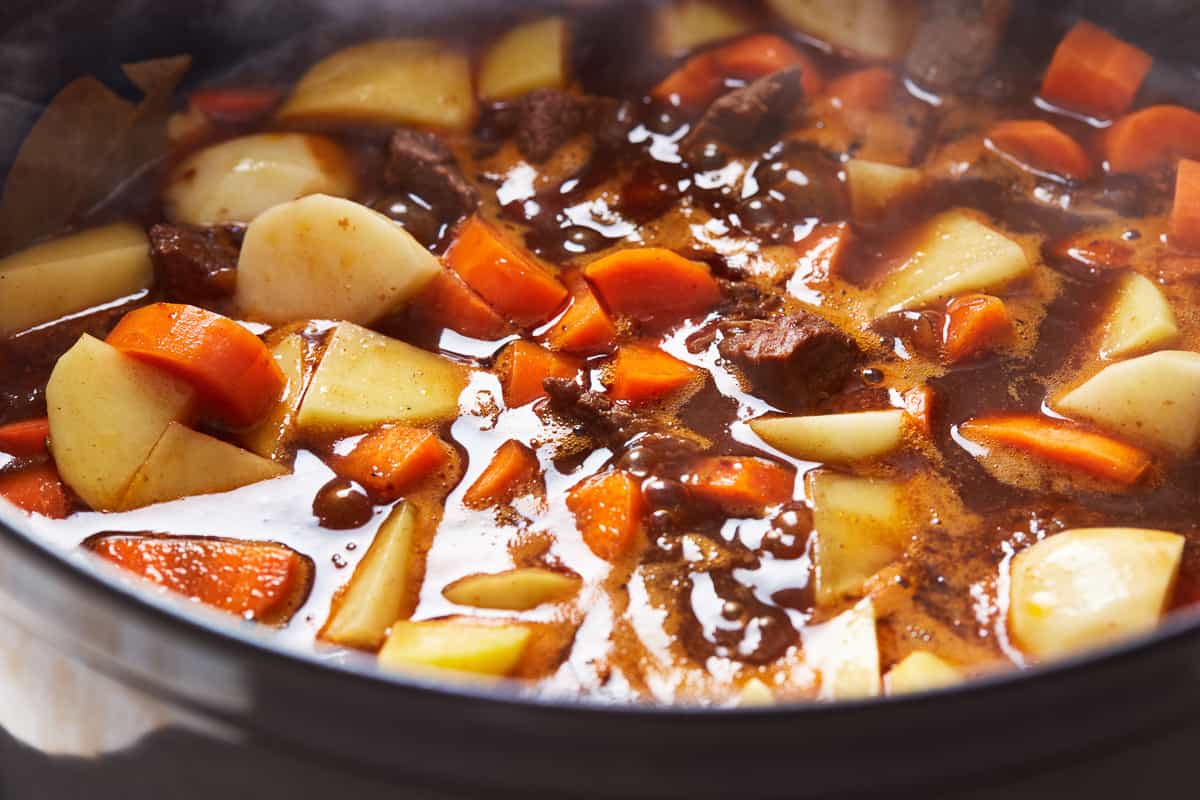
1088,587
375,596
871,29
846,653
859,524
323,257
51,280
238,179
530,56
366,379
834,437
920,672
1153,400
386,82
683,25
875,186
755,694
515,590
185,463
1140,320
270,437
456,644
953,254
107,412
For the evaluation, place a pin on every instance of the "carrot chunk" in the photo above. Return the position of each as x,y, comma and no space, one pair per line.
975,323
25,438
513,469
1153,137
645,374
650,283
608,512
263,581
391,460
37,490
867,89
585,329
1184,226
741,486
1094,72
504,275
524,366
447,302
1039,145
235,105
229,366
699,80
1062,443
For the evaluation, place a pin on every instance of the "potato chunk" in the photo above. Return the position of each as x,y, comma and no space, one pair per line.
456,644
920,672
1088,587
954,254
1152,399
1140,320
387,82
859,525
238,179
73,273
683,25
107,412
867,28
515,590
530,56
834,437
269,438
323,257
185,463
375,596
875,186
366,379
846,653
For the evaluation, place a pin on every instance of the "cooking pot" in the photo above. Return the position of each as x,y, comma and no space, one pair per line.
236,713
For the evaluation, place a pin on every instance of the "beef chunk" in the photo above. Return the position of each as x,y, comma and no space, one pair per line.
545,119
792,360
956,43
612,424
749,116
196,265
418,162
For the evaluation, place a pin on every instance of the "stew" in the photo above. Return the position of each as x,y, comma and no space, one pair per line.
700,352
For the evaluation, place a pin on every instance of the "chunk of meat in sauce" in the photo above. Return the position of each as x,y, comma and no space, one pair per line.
956,43
792,360
545,119
418,162
748,116
196,265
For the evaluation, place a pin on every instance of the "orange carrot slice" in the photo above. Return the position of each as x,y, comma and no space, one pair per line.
1041,146
513,469
650,283
742,486
262,581
699,80
585,329
1062,443
867,89
25,438
1094,72
524,366
1184,226
646,374
391,460
504,275
447,302
235,105
37,490
975,323
1153,137
608,512
228,365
